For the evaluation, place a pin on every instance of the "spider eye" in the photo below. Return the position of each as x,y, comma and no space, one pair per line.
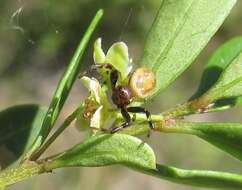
142,82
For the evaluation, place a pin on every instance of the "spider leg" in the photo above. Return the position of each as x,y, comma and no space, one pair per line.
113,75
106,66
114,78
127,122
142,110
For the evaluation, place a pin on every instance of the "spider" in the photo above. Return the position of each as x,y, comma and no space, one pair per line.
141,82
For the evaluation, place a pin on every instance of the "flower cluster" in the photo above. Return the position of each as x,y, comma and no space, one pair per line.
97,107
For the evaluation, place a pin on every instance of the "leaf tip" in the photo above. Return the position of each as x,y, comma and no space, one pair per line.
100,12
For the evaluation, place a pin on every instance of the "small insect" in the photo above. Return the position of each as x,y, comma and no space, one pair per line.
142,81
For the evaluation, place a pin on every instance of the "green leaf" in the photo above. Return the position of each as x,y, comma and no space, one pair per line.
180,31
19,127
219,61
226,136
199,178
216,67
229,84
66,82
105,150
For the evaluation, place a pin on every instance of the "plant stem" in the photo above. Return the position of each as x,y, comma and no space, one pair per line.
160,120
168,126
167,122
138,117
180,110
63,126
196,106
13,175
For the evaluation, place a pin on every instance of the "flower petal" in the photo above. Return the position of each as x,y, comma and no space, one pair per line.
118,57
98,54
93,86
96,119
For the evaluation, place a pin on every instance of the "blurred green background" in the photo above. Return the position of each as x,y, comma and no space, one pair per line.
38,38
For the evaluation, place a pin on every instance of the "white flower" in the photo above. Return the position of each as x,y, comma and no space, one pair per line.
96,112
117,56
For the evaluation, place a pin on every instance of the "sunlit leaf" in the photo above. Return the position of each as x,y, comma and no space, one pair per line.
216,65
229,84
226,136
66,83
219,61
19,126
180,31
198,178
107,149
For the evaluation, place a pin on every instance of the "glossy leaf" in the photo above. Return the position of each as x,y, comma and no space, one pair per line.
226,136
229,84
66,82
219,61
19,126
180,31
108,149
199,178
